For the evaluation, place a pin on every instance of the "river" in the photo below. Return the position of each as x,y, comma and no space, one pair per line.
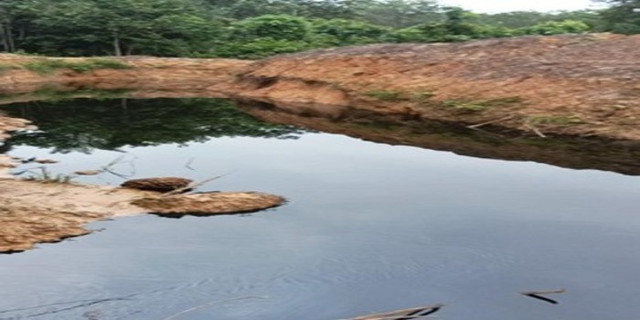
368,227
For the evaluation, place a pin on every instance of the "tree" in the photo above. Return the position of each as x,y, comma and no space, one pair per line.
557,27
349,32
622,17
15,19
400,13
278,27
99,27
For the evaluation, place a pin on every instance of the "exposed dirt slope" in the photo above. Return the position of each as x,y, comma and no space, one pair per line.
148,75
584,85
578,85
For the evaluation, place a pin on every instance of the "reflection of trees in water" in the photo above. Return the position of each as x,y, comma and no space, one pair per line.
85,124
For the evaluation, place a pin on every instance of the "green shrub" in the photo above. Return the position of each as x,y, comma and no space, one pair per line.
557,27
278,27
557,120
422,95
258,48
469,106
385,95
6,67
349,32
47,66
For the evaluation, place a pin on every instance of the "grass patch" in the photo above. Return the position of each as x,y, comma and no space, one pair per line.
422,95
49,93
385,95
6,67
473,106
556,120
42,175
48,66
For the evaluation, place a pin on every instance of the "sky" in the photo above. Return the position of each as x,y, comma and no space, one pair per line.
494,6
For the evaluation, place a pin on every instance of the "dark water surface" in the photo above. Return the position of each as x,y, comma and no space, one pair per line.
369,227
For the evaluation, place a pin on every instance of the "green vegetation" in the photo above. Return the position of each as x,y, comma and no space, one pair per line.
47,66
470,106
392,95
6,67
556,120
259,28
421,96
622,17
43,175
385,95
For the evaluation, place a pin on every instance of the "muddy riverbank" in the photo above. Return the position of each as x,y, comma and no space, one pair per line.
565,100
576,85
48,208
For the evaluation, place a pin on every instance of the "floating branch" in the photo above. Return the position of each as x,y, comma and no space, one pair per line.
404,314
540,294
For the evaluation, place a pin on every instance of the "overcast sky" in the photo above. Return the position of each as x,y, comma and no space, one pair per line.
493,6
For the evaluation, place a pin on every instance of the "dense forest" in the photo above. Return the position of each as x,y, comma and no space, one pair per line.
257,28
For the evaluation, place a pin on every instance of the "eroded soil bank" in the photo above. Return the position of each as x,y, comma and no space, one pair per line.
579,85
566,100
583,85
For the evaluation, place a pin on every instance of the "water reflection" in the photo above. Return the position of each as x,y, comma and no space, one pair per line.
85,124
563,151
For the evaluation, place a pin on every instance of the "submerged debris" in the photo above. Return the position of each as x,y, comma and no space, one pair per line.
405,314
540,294
204,204
165,184
88,172
45,161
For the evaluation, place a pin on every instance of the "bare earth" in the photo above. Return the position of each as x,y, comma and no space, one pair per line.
583,87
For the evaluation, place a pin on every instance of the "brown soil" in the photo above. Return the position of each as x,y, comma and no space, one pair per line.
35,212
583,85
162,184
579,85
566,100
149,77
204,204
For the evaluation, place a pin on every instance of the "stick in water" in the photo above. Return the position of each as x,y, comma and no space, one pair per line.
539,294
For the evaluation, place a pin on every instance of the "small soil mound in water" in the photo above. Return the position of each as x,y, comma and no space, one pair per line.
165,184
205,204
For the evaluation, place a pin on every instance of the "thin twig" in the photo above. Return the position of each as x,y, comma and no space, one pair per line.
188,164
208,304
191,186
475,126
535,130
539,295
115,161
194,185
539,292
119,175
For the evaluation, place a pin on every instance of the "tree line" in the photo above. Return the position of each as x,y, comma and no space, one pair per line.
258,28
